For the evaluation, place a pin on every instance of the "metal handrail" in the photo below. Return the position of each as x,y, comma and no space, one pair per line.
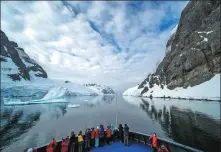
161,139
170,142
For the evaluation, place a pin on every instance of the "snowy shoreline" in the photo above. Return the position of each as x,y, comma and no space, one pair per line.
208,91
182,98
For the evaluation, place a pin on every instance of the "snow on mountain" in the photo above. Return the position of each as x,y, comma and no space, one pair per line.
44,89
22,76
100,90
201,91
16,65
191,65
134,91
62,88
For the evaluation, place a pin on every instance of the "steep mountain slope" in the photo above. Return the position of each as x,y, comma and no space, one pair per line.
100,90
16,64
22,76
192,53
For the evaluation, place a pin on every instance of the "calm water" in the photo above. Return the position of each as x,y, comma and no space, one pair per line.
193,123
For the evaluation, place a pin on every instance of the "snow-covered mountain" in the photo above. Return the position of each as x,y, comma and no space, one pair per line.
191,66
22,76
100,90
16,64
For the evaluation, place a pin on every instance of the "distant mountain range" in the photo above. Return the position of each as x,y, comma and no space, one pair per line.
100,89
22,76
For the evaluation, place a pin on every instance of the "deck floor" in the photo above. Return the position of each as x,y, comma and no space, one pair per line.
119,147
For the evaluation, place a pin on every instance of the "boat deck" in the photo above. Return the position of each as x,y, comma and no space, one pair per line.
119,147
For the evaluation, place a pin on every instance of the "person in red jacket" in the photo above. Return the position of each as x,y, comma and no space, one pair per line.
108,134
92,137
50,147
154,143
162,148
64,145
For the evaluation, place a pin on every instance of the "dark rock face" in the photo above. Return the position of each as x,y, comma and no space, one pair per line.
10,49
193,51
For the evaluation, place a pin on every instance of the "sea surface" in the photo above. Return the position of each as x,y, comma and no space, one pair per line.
193,123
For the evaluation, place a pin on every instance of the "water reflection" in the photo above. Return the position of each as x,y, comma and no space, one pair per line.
185,126
14,124
98,100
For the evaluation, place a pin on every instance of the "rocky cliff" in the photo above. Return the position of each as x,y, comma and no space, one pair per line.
16,64
193,50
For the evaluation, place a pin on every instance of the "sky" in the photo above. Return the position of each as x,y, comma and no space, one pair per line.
115,43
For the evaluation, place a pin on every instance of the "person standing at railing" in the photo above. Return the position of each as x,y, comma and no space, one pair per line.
87,139
101,135
162,148
126,135
50,147
121,133
92,137
112,132
108,134
80,141
72,142
55,143
64,144
97,137
154,142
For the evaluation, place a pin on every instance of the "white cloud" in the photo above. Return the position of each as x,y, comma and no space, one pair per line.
121,47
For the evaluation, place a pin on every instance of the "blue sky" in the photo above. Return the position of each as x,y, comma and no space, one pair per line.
113,43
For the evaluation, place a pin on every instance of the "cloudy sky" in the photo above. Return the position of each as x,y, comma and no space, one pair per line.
112,43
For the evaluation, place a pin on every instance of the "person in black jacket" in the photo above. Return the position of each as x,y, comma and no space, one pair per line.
121,133
72,142
126,135
87,139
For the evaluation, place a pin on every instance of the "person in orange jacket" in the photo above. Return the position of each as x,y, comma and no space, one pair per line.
108,134
92,137
154,142
50,147
162,148
97,137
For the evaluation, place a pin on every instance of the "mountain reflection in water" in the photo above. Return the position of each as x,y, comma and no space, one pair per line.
194,123
185,126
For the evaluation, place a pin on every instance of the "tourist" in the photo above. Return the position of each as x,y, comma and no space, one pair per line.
80,141
154,140
64,145
55,143
87,139
162,148
97,137
112,132
120,133
108,134
72,142
101,135
92,137
126,135
51,147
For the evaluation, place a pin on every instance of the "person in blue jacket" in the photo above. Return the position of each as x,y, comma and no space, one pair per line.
112,132
101,135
